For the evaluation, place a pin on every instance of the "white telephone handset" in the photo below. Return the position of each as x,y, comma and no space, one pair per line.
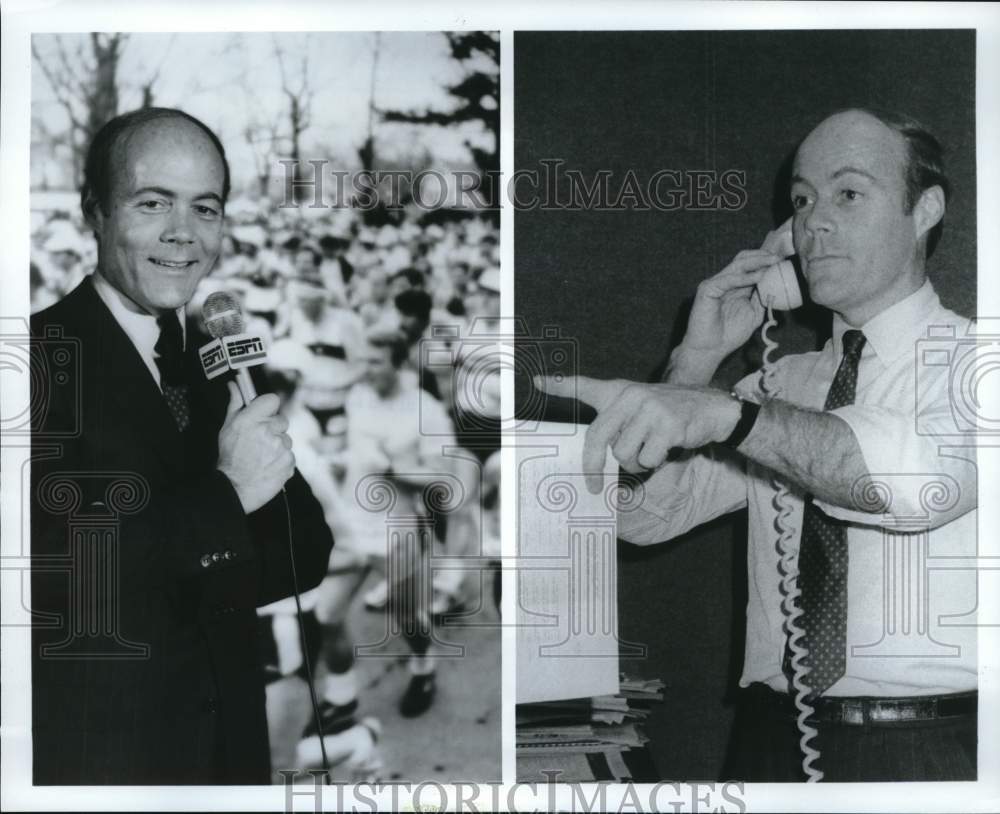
778,287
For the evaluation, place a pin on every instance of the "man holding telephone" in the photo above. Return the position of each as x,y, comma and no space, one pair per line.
869,194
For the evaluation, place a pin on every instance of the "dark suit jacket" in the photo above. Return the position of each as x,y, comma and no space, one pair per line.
146,574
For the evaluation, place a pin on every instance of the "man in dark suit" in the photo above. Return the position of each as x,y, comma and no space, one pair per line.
158,523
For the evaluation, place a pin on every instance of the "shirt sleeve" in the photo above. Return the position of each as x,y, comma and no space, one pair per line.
922,483
698,487
682,494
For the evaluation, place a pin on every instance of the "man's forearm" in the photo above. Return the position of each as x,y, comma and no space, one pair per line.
815,450
691,368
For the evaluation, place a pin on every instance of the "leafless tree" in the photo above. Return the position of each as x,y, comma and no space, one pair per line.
83,72
84,81
270,136
262,136
146,86
295,86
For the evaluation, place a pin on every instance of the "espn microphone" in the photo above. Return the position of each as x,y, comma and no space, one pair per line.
230,348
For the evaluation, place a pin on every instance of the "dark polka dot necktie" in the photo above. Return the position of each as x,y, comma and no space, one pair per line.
169,350
823,556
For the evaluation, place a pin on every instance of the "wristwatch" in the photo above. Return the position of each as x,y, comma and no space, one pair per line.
749,411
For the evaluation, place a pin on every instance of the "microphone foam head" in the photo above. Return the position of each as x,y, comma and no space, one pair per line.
222,314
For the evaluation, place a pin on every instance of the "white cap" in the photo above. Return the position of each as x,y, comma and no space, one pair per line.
64,241
260,299
341,225
490,280
252,234
64,237
387,236
386,327
409,231
242,209
397,259
287,354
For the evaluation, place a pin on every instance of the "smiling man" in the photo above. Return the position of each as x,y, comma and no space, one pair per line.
157,529
839,428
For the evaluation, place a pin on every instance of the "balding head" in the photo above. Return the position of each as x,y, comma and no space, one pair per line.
106,152
923,165
861,240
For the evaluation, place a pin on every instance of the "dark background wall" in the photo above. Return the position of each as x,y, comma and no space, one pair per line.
620,282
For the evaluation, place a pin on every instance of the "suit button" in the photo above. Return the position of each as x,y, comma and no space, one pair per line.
216,556
229,555
210,704
205,561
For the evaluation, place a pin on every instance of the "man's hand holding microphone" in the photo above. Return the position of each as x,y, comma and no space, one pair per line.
255,452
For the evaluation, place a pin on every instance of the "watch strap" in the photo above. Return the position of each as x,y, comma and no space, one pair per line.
749,411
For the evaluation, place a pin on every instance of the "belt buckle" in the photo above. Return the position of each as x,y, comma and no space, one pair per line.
852,712
887,712
892,711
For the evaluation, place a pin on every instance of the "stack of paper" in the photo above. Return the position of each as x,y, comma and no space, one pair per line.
567,582
584,739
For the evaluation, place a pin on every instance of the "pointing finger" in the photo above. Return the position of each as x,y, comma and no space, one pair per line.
598,393
562,386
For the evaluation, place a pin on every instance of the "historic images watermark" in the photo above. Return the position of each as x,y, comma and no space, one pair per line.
549,796
93,503
553,186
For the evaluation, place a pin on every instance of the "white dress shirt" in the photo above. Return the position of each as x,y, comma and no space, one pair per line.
910,627
140,328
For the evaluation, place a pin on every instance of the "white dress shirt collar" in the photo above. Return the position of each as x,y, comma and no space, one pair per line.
895,330
141,329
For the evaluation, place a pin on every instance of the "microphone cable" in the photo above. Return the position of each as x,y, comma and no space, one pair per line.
302,639
223,318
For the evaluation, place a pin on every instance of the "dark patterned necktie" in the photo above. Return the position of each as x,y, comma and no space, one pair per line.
169,350
823,556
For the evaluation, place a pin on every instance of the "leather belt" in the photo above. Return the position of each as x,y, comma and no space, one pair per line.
870,710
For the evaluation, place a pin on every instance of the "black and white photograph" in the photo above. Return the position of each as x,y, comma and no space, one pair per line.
760,250
263,529
526,406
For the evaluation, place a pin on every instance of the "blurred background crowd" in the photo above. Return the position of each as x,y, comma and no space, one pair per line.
381,324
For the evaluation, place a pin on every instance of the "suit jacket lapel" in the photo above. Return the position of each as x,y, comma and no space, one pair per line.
130,392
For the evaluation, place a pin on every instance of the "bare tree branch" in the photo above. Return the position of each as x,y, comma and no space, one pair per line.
62,94
299,95
71,74
146,88
84,83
